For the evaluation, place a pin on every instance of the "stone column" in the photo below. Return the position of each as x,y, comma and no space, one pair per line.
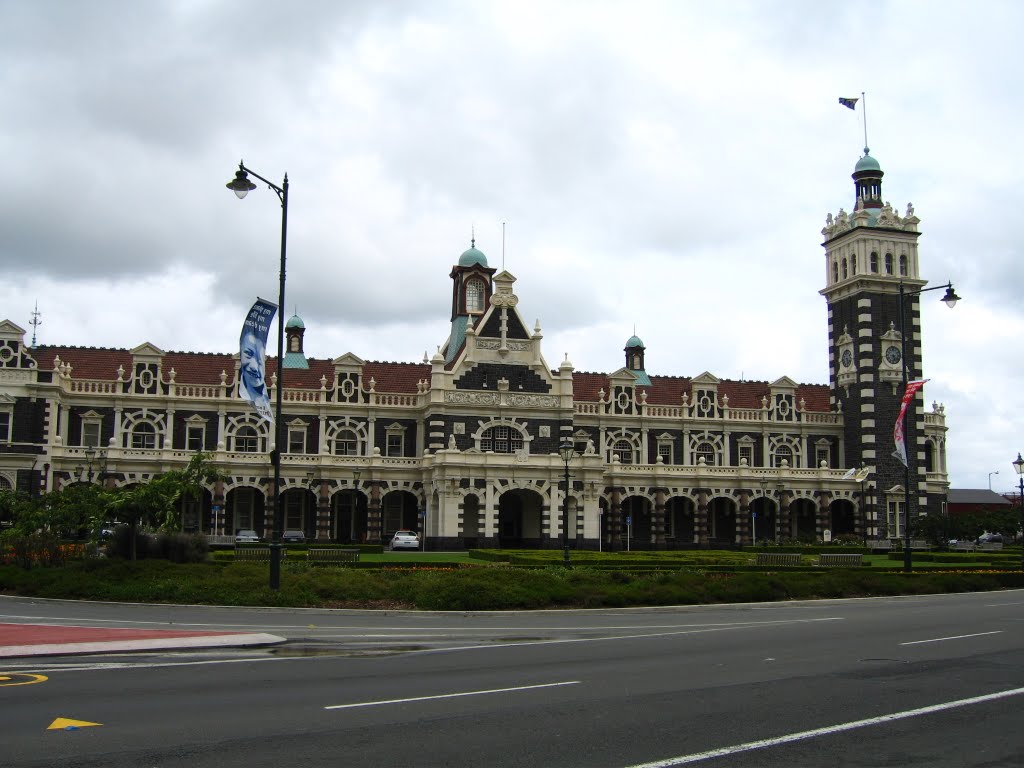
217,510
821,522
658,522
323,511
615,520
700,523
784,525
373,515
743,519
269,503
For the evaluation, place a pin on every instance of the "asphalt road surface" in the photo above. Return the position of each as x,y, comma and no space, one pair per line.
915,681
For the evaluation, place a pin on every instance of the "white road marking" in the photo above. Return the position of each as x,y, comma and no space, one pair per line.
801,735
451,695
953,637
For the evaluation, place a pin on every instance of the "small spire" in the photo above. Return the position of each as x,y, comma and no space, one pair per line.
472,236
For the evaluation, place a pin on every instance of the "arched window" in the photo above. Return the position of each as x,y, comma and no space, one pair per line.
783,453
704,451
475,295
903,264
247,440
853,265
844,269
346,443
144,436
501,439
888,263
835,272
623,450
5,484
874,262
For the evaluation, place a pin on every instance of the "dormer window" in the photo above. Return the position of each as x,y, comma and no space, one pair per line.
475,295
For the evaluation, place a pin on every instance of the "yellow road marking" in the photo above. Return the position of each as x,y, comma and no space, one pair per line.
7,680
62,723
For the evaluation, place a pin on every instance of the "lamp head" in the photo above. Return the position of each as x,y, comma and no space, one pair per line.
1019,464
566,450
950,298
240,185
355,475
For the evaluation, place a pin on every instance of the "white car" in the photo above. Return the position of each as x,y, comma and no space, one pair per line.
246,536
405,540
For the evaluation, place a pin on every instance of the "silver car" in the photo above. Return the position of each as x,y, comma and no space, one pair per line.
405,540
246,536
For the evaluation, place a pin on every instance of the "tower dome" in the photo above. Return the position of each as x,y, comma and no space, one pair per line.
295,322
634,342
472,257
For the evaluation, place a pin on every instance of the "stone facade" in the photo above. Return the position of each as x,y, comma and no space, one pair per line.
465,446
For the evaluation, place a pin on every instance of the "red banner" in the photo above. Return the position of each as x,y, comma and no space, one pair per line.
898,434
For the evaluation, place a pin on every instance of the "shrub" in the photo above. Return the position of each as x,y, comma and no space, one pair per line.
180,547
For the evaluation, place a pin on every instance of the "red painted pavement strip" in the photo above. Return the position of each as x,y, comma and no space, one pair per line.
49,634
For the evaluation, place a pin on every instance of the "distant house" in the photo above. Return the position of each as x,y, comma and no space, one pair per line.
963,500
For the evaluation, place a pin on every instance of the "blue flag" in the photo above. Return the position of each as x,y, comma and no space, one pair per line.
252,347
848,103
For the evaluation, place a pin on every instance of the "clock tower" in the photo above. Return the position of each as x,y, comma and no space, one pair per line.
869,252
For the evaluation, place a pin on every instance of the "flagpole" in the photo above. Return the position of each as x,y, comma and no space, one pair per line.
864,102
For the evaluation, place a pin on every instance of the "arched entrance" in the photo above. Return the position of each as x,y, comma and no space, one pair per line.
472,522
636,522
348,517
802,513
843,518
519,519
399,512
764,514
722,522
298,507
245,509
679,521
196,516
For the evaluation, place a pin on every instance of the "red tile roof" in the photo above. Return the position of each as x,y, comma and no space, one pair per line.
205,368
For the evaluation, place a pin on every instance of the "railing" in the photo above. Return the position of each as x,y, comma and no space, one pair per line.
89,387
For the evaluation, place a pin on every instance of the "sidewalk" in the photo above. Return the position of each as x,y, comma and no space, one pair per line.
18,640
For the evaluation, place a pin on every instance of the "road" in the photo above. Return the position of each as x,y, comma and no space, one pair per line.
934,680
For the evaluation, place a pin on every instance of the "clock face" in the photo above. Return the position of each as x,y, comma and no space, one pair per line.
847,358
893,355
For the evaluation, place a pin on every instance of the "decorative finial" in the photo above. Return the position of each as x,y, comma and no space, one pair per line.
472,236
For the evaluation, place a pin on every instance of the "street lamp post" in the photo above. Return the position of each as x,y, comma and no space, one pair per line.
241,186
990,478
950,298
1019,466
567,451
753,513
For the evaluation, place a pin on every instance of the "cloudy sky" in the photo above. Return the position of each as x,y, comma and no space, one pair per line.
663,166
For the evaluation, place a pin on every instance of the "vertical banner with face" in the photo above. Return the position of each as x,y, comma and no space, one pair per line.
898,433
252,376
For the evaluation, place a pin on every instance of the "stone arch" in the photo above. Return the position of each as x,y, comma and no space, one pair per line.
842,517
722,528
345,437
764,519
637,523
521,513
680,520
348,515
622,444
399,511
802,520
244,507
517,430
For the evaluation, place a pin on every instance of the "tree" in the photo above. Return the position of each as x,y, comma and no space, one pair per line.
156,504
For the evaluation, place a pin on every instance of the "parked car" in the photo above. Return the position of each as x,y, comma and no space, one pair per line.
293,536
405,540
990,538
246,536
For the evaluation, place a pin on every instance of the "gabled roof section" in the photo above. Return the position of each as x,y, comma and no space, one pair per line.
706,378
147,349
784,383
10,330
348,360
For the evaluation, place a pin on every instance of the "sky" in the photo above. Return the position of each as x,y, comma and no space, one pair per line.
663,168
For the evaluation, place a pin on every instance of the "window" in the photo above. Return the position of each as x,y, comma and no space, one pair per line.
783,453
623,450
90,434
247,440
293,505
888,263
903,264
844,269
195,437
144,437
853,265
244,502
835,272
396,444
874,261
5,484
501,440
5,426
665,451
475,295
895,519
346,443
704,451
821,455
296,440
392,513
747,452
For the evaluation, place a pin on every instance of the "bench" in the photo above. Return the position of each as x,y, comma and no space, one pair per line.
880,545
840,560
990,546
919,544
778,558
332,555
965,546
250,554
